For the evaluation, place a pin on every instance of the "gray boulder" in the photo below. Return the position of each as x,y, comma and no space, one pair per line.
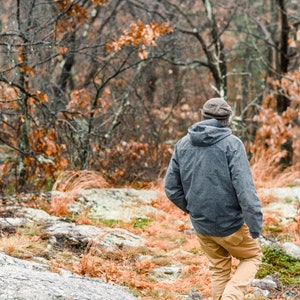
62,234
25,280
118,204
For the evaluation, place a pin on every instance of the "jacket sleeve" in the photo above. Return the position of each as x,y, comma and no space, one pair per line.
172,184
242,181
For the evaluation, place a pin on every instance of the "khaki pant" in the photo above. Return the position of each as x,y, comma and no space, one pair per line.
219,251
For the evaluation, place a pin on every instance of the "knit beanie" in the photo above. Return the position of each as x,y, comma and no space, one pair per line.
216,108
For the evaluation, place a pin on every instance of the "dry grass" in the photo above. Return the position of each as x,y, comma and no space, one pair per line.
83,218
266,199
69,184
23,246
75,181
293,230
268,174
87,263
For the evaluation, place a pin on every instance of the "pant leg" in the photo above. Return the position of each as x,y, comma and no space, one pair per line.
219,264
219,250
249,253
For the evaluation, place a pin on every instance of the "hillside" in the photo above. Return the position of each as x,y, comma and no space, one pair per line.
155,254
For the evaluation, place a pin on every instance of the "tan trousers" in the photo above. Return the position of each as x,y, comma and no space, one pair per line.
219,251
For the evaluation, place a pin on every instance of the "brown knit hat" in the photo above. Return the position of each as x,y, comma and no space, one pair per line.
216,108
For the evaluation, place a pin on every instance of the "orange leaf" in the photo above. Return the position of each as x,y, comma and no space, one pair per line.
63,49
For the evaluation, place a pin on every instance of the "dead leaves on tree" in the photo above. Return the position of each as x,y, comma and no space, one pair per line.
141,36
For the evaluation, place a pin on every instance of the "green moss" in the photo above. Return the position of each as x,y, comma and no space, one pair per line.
195,250
288,200
181,240
48,185
139,223
276,262
110,222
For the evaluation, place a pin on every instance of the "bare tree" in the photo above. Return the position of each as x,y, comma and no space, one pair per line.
76,92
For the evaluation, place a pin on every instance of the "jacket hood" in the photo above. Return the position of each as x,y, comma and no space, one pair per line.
207,132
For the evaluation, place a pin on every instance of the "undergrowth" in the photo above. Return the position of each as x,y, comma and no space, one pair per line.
277,262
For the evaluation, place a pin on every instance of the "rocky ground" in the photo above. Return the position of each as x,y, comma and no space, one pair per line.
123,242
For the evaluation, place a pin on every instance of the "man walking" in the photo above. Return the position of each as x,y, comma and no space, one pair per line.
209,178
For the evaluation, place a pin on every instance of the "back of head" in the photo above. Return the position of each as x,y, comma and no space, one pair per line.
217,108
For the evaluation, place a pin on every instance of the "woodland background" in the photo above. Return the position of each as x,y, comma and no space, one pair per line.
95,94
109,86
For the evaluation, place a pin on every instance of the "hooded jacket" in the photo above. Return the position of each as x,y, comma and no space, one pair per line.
209,177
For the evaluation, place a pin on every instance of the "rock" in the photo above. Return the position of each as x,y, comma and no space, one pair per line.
265,283
195,295
291,250
118,204
179,252
10,225
12,222
260,293
283,210
118,238
285,206
26,280
168,274
36,215
266,241
285,194
63,234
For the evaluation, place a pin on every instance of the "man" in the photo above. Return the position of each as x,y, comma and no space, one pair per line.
209,178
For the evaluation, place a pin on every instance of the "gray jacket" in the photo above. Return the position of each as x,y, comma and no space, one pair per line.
209,178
